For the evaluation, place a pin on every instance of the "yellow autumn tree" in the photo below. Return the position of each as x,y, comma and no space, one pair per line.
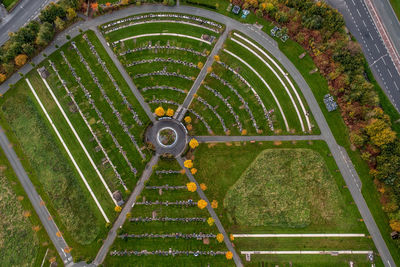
229,255
193,143
203,186
209,69
231,237
395,225
200,65
214,204
220,237
210,221
193,170
170,112
125,2
191,187
188,164
202,204
117,208
216,58
159,111
188,119
20,60
2,77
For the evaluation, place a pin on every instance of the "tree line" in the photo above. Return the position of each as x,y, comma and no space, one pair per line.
30,39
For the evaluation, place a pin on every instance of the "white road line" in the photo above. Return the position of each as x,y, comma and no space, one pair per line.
377,48
390,73
67,150
79,141
358,13
298,235
395,84
364,24
353,2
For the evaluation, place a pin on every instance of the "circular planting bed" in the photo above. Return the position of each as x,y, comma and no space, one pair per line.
167,137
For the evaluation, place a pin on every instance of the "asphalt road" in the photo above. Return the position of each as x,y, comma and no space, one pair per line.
37,203
359,22
25,11
342,160
390,21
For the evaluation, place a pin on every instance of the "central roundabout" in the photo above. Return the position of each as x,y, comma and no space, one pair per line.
168,136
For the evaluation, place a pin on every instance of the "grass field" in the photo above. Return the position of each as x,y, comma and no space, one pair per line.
221,166
18,231
293,186
396,7
9,4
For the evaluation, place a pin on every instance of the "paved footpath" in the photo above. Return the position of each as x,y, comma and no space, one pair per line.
37,202
217,222
340,155
101,255
249,138
180,113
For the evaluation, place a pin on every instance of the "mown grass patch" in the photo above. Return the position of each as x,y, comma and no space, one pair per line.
220,166
292,187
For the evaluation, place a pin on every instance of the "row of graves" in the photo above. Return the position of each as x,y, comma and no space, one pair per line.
167,228
104,105
164,67
245,93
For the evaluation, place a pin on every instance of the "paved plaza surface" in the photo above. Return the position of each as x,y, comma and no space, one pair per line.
340,155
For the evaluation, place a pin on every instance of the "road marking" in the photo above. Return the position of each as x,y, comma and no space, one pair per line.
364,24
377,48
372,38
395,84
390,73
353,2
358,13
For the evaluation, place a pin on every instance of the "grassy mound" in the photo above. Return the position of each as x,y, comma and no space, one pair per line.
284,187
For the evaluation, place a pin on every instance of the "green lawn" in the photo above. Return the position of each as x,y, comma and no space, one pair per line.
396,7
9,4
17,231
221,166
293,186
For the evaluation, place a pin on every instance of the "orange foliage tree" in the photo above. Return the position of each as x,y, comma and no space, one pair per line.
202,204
229,255
170,112
20,60
214,204
188,164
191,187
193,143
193,170
220,237
159,111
